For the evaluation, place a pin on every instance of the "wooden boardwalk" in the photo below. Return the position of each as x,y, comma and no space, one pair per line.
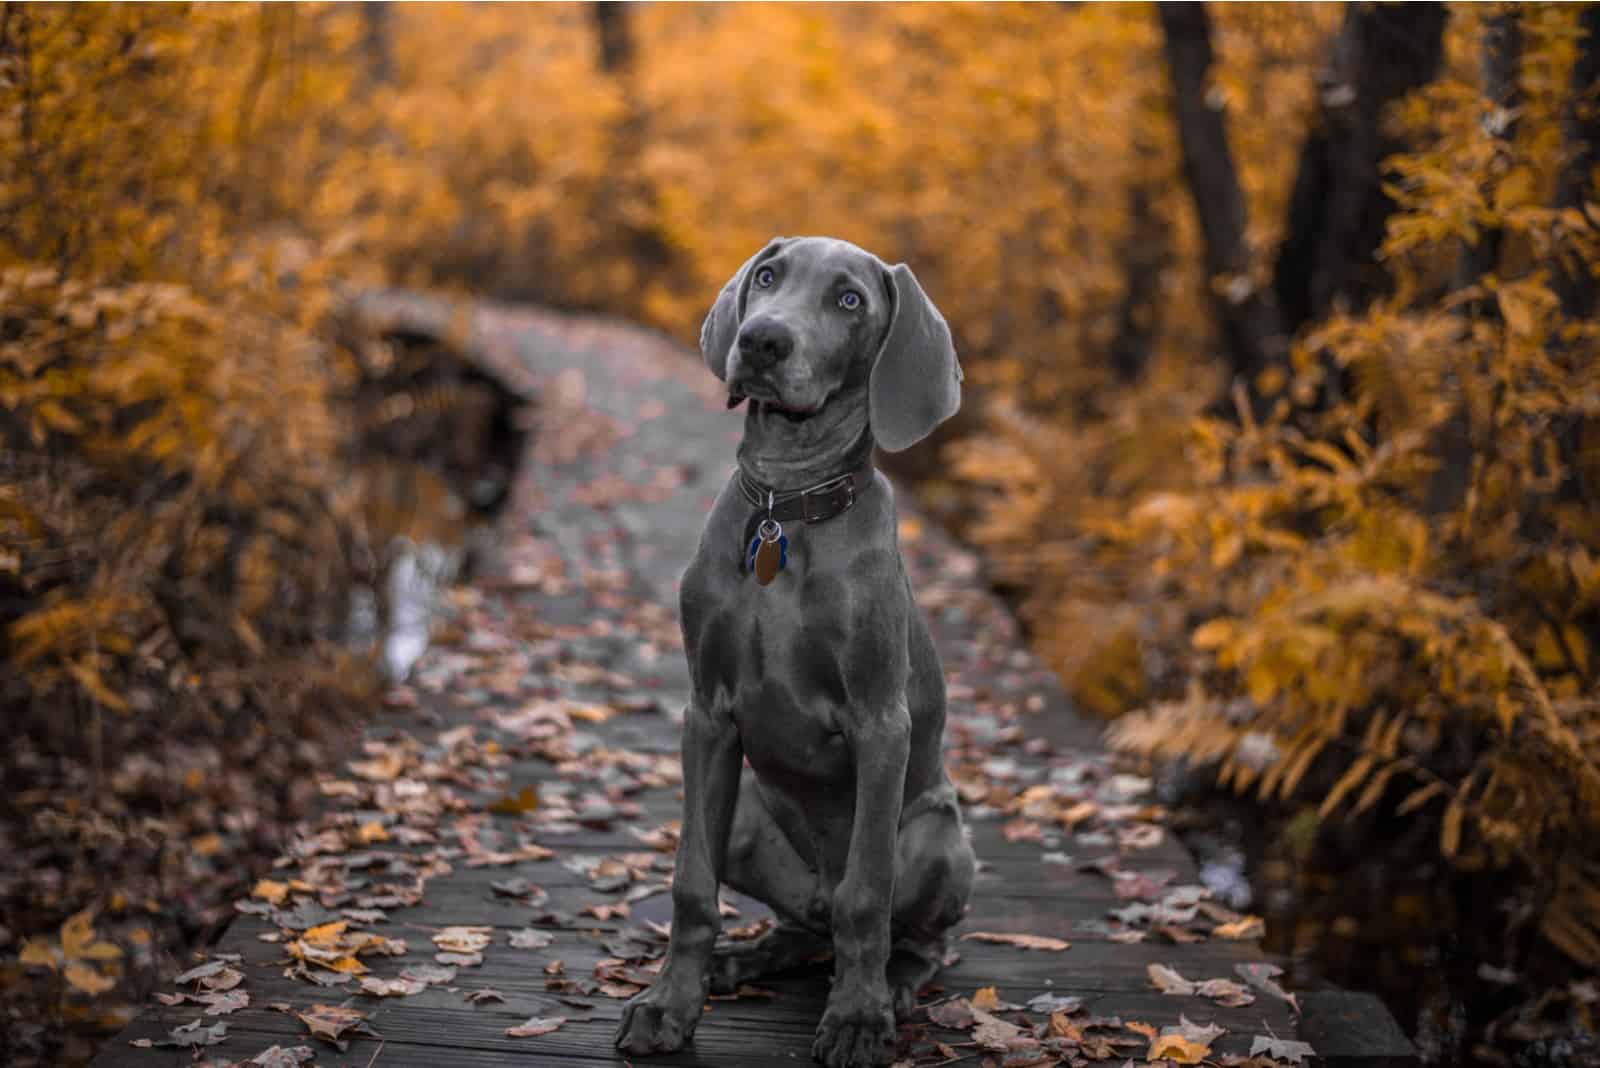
561,678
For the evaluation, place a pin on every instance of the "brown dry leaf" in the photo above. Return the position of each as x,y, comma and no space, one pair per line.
555,967
987,998
478,997
392,988
1176,1048
222,1004
279,1057
326,934
461,960
1021,941
535,1026
38,952
87,978
1226,992
991,1032
273,893
330,1022
1168,981
1245,928
76,934
463,939
525,800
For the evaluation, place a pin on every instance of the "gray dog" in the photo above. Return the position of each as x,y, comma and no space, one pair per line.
809,659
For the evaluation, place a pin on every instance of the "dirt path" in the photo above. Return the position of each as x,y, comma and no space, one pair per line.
500,849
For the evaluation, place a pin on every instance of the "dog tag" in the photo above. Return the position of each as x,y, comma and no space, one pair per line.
769,551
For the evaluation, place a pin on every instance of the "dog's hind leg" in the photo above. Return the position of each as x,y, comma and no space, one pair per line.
763,864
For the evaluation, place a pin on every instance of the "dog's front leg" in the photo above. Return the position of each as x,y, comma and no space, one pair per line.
857,1027
663,1017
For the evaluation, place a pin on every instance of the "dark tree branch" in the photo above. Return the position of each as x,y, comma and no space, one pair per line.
1338,209
1246,313
1575,281
613,23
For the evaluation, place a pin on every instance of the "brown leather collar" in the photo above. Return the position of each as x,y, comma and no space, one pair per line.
814,504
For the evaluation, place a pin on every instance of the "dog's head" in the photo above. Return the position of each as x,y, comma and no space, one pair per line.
810,319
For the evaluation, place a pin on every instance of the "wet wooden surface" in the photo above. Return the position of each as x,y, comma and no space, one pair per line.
632,443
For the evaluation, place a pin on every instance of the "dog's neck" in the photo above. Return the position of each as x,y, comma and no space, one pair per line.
788,455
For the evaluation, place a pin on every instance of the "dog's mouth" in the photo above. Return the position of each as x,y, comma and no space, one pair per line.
765,405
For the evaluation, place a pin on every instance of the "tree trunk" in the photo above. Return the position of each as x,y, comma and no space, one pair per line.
614,26
1574,281
1501,62
1246,313
1338,209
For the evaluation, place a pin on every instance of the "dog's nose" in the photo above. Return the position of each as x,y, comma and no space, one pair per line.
763,342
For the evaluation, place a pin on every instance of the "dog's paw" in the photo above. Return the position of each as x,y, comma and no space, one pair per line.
856,1036
657,1021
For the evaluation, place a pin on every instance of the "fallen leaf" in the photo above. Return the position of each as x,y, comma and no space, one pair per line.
1225,992
190,1035
463,939
465,960
1021,941
392,988
279,1057
201,971
528,938
478,997
955,1014
1167,979
38,951
525,800
1281,1049
1054,1003
535,1026
221,1004
991,1032
1247,927
431,974
273,893
330,1022
87,979
986,998
1174,1047
1263,977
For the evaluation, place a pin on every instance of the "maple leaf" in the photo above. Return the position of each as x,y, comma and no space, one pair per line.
1021,941
1281,1049
535,1026
224,1002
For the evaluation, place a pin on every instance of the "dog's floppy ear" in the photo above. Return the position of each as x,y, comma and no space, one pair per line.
722,321
916,380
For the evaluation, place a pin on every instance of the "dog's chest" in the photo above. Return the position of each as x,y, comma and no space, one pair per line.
772,654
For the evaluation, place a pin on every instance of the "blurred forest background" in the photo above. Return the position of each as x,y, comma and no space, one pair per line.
1283,432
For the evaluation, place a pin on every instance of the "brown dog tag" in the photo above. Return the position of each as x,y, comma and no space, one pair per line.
769,551
767,557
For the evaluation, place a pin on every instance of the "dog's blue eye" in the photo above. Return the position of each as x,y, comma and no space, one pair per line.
764,278
849,300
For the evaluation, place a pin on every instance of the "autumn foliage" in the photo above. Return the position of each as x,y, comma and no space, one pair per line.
1356,572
